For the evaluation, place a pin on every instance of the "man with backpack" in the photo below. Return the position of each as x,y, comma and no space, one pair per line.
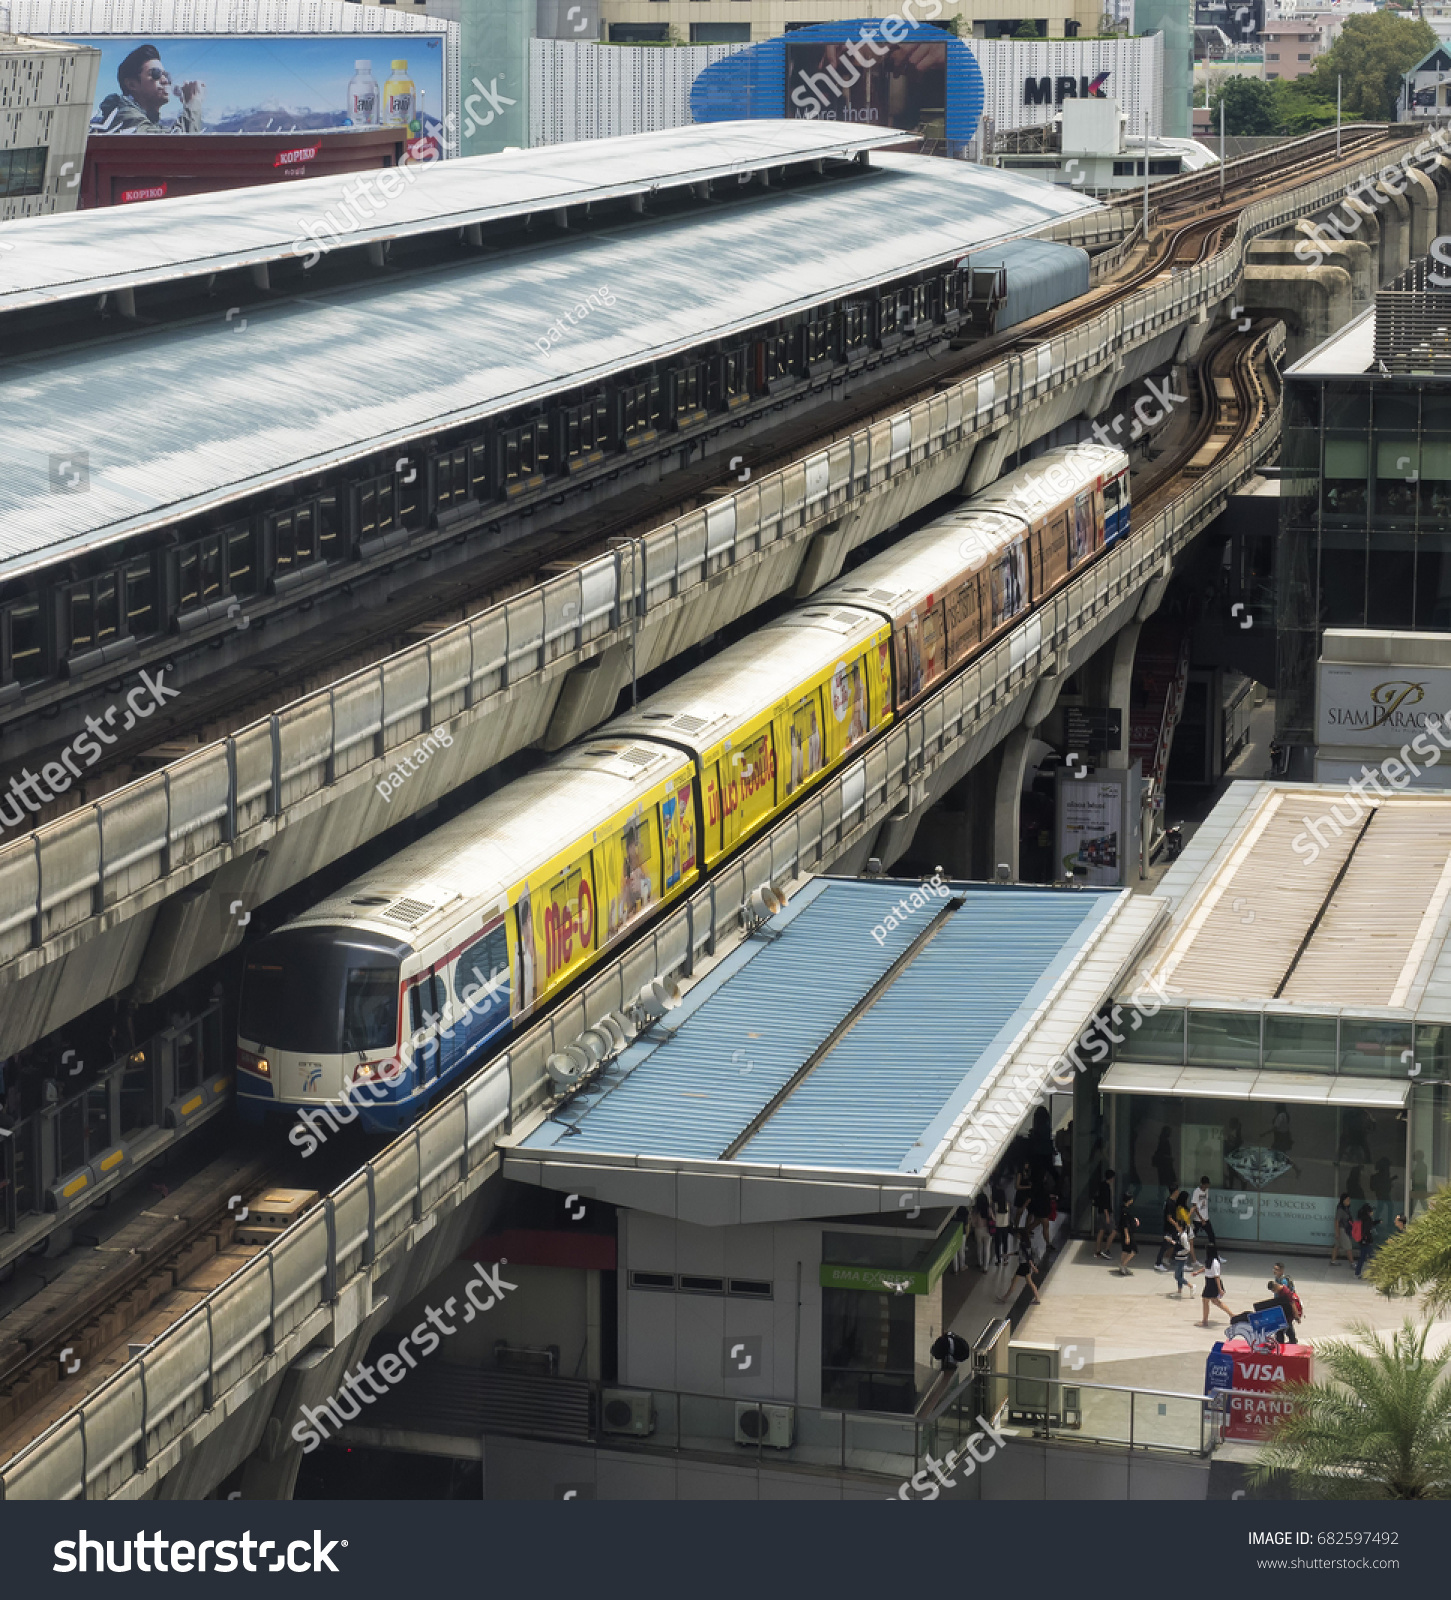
1362,1236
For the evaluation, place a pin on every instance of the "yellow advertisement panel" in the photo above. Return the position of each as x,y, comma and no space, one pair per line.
566,913
740,787
804,743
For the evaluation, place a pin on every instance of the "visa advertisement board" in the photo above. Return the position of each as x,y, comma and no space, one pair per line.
271,83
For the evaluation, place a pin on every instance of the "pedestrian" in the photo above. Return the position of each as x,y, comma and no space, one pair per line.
1002,1228
1288,1302
1199,1212
1127,1222
1362,1231
1103,1211
1213,1291
1343,1220
1026,1272
1185,1224
1382,1182
1183,1255
1041,1211
981,1224
1022,1195
1170,1230
1420,1182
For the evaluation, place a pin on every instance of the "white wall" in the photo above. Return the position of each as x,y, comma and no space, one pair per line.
48,94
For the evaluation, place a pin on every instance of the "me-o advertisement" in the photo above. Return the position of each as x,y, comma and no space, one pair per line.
271,84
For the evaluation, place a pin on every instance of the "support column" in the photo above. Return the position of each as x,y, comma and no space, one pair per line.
987,462
826,555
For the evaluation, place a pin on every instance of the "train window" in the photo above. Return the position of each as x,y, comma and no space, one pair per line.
819,338
22,641
200,578
294,535
376,505
856,318
237,546
91,612
139,580
370,1008
484,966
450,469
329,526
733,379
584,432
641,409
688,384
426,1000
525,456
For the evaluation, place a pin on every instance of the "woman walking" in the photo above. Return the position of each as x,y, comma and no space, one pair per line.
1342,1232
1002,1235
981,1224
1362,1231
1213,1291
1127,1223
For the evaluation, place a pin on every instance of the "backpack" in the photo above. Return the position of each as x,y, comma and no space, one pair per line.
1297,1303
1357,1229
1053,1209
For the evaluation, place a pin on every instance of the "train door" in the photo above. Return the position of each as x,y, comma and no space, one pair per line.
480,992
425,1024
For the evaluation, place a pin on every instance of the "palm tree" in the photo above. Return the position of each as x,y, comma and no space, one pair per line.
1419,1260
1379,1429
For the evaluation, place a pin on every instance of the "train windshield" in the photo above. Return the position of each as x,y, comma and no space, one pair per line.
317,997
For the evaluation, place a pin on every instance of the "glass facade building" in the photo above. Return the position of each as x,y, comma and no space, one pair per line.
1365,503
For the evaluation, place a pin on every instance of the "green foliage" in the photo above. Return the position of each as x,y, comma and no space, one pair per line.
1249,107
1027,30
1378,1429
1371,57
1419,1260
958,26
1298,110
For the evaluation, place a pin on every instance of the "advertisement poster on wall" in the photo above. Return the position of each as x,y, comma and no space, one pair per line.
1090,827
230,83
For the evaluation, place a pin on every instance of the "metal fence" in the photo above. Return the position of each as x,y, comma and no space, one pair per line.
219,801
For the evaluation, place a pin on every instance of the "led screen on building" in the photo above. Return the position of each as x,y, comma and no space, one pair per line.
905,88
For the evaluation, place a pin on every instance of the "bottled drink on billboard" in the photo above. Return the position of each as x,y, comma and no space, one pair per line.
363,96
400,98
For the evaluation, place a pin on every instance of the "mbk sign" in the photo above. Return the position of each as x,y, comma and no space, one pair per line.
1054,91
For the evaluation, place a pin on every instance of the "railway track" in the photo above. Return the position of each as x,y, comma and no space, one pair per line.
262,687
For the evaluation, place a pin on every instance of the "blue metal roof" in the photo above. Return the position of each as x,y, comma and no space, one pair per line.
882,1098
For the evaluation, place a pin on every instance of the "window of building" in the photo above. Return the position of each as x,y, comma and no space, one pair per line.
1272,55
693,1283
92,612
1157,1038
22,172
1224,1038
22,641
1300,1044
652,1280
1306,56
639,32
200,575
720,32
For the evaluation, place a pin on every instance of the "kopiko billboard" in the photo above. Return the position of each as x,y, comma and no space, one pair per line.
230,83
903,88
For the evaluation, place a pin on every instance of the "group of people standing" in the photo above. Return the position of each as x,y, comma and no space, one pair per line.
1185,1221
1014,1221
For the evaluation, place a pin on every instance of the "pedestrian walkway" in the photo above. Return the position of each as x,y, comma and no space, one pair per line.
1134,1332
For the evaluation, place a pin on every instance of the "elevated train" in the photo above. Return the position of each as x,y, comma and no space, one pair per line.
389,992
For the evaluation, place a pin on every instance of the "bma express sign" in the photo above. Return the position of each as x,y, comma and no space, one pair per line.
1054,91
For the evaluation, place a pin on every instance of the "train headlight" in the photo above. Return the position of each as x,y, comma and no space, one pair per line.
372,1069
250,1063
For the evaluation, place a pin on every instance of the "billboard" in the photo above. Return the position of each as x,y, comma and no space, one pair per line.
1381,706
236,83
904,86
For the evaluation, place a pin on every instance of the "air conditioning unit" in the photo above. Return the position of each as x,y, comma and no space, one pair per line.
627,1411
772,1426
1036,1393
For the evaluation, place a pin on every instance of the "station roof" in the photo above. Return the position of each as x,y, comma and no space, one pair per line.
1298,898
882,1038
175,420
95,252
1345,354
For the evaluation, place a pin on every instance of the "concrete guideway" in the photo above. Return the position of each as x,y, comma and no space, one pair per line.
223,1385
151,882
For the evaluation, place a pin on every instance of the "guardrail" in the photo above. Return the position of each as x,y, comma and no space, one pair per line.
218,802
266,1312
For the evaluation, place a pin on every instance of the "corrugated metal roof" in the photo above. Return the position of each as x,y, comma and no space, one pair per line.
882,1098
1041,273
178,419
91,252
1297,893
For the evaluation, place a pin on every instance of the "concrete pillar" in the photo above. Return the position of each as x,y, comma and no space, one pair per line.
1191,338
1316,299
1350,254
588,695
1121,676
826,555
986,463
1425,210
1438,169
1103,389
1395,231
